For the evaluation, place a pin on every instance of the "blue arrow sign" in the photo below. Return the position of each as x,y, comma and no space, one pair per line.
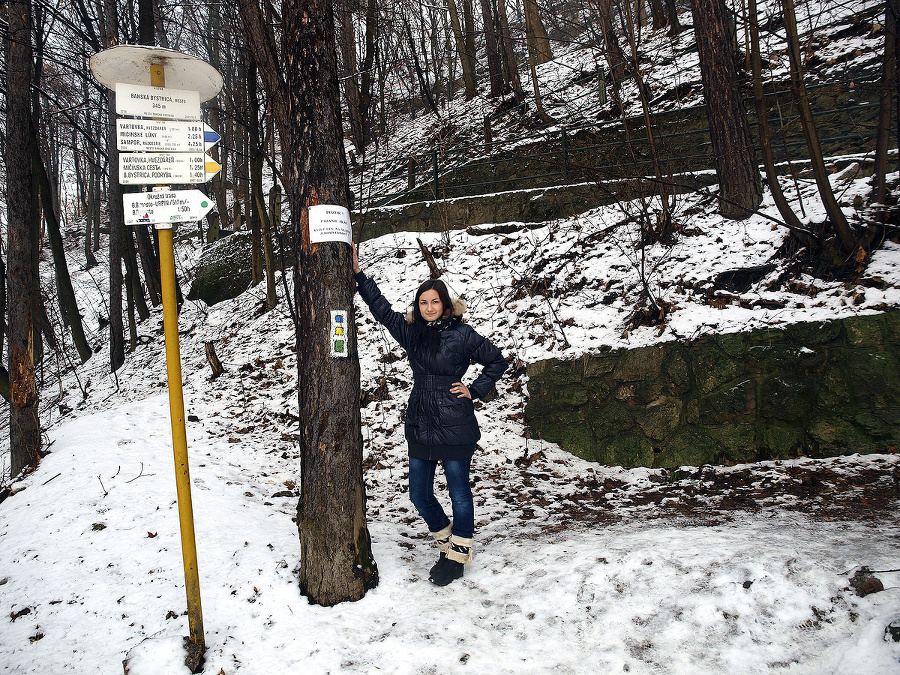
210,137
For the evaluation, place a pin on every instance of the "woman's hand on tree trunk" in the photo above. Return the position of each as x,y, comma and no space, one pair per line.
356,269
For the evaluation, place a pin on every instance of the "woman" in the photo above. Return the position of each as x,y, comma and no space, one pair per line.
440,417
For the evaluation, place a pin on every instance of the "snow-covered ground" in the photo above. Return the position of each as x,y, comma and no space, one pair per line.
579,568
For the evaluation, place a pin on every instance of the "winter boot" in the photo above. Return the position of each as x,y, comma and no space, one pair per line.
451,567
442,539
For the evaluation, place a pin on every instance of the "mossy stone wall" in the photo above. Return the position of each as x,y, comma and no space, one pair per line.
811,389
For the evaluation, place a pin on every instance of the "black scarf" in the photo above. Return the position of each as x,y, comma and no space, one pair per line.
442,324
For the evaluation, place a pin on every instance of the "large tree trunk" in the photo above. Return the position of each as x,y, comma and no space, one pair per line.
336,560
24,425
615,57
846,240
351,75
740,189
675,26
63,279
536,34
510,63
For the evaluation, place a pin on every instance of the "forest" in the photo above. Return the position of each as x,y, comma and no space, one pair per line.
635,102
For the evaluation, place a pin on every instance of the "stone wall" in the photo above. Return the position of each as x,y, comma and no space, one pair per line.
811,389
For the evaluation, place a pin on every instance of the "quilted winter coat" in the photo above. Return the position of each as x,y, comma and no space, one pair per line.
438,424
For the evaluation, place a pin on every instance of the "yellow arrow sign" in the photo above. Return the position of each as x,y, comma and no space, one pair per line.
212,168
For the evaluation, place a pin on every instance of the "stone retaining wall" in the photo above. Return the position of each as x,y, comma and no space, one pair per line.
811,389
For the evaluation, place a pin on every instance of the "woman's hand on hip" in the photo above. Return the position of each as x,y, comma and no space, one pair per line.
461,390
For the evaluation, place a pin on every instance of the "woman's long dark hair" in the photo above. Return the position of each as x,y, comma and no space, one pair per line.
425,338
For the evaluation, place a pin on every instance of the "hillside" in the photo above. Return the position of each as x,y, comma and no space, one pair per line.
579,568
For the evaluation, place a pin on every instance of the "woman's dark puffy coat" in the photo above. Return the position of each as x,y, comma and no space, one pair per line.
434,416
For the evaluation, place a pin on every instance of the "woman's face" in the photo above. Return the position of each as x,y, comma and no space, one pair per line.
430,306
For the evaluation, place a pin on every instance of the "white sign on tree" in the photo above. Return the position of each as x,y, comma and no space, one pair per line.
329,222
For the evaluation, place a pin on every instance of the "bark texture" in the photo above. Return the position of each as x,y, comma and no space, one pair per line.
336,559
24,426
740,188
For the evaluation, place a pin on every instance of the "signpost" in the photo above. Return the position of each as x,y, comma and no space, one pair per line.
136,135
146,168
138,75
168,104
166,206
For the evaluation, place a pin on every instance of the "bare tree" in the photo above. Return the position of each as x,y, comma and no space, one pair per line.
740,189
24,425
846,240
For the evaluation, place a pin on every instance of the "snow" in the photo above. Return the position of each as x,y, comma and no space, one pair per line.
567,577
579,568
766,590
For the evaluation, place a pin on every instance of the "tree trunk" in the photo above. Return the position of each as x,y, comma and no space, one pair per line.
762,113
468,63
266,226
675,26
63,279
536,33
24,425
659,15
366,78
888,83
150,264
615,57
253,145
492,48
839,222
664,224
336,559
116,210
510,63
740,189
351,75
420,75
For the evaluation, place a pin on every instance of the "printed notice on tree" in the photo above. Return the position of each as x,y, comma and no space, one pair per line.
329,222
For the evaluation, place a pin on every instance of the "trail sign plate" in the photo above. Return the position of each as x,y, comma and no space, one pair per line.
172,104
146,168
164,136
168,206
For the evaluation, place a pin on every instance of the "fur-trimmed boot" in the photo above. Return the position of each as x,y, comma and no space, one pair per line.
450,567
442,540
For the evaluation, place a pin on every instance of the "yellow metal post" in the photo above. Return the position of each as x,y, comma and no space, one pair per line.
176,408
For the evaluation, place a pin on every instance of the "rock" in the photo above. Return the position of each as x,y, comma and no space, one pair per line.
223,271
865,583
892,631
812,389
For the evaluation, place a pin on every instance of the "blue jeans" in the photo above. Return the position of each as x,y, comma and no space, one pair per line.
421,492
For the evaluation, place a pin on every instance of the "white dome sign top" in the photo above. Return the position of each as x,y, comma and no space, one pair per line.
131,64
